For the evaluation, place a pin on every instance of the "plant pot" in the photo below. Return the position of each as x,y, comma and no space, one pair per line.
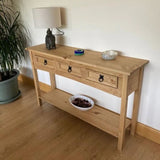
9,89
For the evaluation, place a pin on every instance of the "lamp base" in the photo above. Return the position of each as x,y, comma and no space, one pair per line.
50,40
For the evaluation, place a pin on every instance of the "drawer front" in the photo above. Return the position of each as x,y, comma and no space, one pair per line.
70,69
103,78
44,62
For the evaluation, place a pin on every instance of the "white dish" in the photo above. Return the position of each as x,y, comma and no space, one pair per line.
109,55
82,97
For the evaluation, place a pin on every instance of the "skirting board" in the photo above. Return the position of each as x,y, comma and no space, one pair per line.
29,81
148,132
141,129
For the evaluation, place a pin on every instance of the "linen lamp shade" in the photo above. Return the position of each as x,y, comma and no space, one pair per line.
47,17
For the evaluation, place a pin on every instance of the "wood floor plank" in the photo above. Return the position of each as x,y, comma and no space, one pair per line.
29,132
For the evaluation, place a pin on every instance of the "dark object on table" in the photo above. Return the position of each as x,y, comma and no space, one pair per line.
81,103
50,40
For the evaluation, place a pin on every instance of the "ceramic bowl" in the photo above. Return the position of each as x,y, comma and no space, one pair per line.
109,55
82,97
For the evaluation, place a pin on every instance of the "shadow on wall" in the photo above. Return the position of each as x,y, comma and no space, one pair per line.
62,39
64,17
26,71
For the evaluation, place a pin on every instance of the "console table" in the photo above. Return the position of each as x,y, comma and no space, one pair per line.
119,77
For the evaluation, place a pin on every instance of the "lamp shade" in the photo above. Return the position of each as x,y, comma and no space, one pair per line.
47,17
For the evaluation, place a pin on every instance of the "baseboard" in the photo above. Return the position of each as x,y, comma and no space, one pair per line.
25,80
29,81
148,132
142,130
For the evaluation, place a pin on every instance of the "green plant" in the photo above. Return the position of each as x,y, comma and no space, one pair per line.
13,39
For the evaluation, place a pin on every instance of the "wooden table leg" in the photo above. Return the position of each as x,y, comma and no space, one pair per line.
36,84
52,80
136,103
124,100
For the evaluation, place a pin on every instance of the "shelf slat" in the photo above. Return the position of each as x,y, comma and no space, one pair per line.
99,117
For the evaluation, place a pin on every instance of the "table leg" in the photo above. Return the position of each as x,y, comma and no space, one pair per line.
52,80
136,103
36,84
124,100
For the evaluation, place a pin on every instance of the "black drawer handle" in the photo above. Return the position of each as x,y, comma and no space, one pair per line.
69,69
101,78
45,62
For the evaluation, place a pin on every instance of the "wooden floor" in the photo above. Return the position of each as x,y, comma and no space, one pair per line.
29,132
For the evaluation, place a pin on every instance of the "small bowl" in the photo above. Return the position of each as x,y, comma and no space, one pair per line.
82,97
109,55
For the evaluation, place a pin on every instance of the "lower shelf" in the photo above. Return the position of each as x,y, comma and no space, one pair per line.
99,117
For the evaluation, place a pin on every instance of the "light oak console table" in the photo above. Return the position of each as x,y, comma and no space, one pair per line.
119,77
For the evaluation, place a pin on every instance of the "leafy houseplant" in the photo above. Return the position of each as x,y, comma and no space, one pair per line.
13,41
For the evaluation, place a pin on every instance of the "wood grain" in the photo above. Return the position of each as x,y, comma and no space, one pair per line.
28,132
75,70
133,81
111,90
35,77
141,129
108,80
123,65
64,62
102,118
137,96
52,80
122,120
26,80
148,132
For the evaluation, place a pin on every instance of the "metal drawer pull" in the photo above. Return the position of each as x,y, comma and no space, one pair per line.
69,69
45,62
101,78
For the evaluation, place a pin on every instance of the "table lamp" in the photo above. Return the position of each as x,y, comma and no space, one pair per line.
48,17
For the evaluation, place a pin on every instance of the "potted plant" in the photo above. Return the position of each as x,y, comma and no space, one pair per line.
13,41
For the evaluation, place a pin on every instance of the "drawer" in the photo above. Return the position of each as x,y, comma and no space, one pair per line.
45,63
103,78
70,69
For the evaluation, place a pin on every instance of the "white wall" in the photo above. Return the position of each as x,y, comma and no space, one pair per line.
132,27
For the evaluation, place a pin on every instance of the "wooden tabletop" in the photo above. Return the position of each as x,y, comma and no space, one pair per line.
122,64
